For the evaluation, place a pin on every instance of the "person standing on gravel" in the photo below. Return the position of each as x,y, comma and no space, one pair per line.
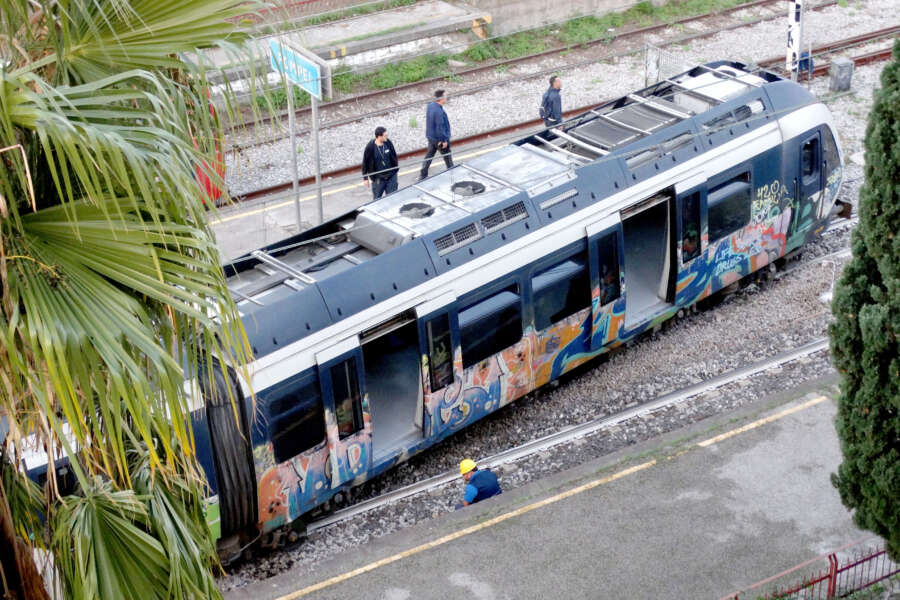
481,484
379,165
437,131
551,105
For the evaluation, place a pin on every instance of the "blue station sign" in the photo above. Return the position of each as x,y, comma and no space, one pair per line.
297,68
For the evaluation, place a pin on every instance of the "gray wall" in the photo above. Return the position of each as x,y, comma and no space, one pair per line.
509,16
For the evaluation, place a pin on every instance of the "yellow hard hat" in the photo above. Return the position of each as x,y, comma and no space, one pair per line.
467,465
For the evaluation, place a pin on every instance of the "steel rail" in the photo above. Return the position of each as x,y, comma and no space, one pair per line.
574,432
513,61
343,171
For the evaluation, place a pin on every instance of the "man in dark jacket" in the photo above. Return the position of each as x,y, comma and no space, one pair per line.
379,166
437,130
551,104
481,484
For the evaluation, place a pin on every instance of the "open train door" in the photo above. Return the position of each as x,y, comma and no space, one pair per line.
347,419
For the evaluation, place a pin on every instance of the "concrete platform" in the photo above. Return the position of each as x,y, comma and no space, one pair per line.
698,513
371,40
405,30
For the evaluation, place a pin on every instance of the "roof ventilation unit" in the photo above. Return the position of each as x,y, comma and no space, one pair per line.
467,188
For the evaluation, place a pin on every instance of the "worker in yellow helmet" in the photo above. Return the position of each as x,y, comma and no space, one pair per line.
480,483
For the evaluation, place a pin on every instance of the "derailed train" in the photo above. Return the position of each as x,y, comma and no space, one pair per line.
381,332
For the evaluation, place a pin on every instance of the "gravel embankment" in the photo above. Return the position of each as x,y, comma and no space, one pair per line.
759,321
514,102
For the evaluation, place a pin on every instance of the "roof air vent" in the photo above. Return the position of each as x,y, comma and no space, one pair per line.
467,188
416,210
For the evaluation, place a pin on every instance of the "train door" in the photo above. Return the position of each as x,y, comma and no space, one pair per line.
442,362
394,383
347,415
690,240
649,251
808,184
607,283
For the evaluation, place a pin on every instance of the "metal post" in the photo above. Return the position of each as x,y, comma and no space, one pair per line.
294,188
795,37
315,133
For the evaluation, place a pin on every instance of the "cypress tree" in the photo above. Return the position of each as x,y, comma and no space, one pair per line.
864,335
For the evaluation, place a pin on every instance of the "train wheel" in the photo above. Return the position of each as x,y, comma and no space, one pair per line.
232,454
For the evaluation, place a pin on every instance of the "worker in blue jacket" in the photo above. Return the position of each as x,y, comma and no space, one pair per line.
551,105
480,483
437,130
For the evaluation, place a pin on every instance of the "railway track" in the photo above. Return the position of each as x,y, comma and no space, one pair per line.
426,85
879,55
575,432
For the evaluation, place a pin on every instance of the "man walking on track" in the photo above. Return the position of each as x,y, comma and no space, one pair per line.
437,130
379,166
551,105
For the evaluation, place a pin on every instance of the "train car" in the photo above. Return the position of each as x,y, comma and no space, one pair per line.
382,332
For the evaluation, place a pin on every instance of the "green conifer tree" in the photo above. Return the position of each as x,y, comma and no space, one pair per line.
864,336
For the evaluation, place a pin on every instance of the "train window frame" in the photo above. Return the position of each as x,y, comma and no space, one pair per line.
487,317
290,400
566,273
350,379
810,161
440,361
723,197
697,226
610,284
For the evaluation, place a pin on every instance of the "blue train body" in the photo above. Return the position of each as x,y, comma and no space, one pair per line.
382,332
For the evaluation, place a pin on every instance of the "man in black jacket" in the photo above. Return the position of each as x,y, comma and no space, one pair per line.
551,105
379,165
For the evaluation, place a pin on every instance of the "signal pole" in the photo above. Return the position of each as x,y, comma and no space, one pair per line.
794,38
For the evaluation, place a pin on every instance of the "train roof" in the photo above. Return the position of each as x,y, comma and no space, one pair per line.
303,284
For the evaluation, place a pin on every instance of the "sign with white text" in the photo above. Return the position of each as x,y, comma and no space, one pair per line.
297,68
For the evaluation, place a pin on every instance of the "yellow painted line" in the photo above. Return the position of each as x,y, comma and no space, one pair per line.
467,531
534,506
755,424
345,188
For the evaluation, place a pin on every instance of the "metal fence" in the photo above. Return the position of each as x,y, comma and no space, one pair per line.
849,569
661,64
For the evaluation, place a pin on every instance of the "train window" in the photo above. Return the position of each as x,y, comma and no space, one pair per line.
690,227
440,351
729,206
347,408
608,263
810,158
561,290
490,325
296,417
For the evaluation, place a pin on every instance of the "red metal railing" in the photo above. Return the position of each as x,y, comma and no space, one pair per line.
850,568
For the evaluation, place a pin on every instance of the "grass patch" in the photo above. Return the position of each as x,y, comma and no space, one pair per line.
410,71
355,11
276,98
